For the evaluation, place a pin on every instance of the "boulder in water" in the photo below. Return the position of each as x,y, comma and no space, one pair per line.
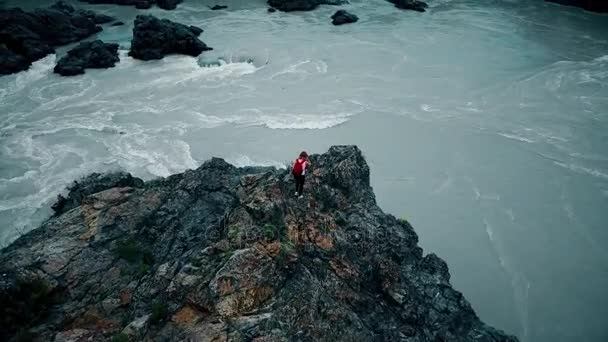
302,5
29,36
143,4
168,4
590,5
342,17
154,38
118,23
414,5
94,55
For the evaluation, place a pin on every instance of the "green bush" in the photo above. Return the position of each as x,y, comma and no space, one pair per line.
128,250
133,253
23,336
122,337
159,312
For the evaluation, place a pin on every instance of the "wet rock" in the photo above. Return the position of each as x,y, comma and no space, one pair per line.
69,9
140,4
94,55
302,5
224,253
143,4
168,4
154,38
342,17
414,5
590,5
118,23
218,7
29,36
271,9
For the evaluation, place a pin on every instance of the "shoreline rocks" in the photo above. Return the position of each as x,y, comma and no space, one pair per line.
155,38
88,55
29,36
139,4
342,17
229,254
599,6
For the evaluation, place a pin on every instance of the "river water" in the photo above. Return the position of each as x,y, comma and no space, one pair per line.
485,124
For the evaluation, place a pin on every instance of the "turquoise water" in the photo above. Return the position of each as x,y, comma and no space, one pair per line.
485,124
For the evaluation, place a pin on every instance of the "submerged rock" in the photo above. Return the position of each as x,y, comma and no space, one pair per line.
218,7
342,17
224,253
415,5
590,5
95,55
29,36
154,38
302,5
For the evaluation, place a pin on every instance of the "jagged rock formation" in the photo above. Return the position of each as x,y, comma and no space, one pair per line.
142,4
223,253
154,38
590,5
414,5
302,5
95,54
28,36
342,17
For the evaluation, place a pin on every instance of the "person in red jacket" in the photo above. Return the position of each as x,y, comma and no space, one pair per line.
299,172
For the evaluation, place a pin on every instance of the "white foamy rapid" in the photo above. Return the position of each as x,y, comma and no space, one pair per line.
485,121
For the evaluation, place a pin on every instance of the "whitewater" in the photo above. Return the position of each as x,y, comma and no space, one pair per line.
485,124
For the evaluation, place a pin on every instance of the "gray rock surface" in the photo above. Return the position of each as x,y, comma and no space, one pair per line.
228,254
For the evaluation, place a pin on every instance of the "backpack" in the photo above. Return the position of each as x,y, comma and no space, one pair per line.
298,167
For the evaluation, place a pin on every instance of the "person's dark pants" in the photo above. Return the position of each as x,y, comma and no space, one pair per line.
299,183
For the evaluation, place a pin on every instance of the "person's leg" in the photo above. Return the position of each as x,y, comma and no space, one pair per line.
296,180
302,179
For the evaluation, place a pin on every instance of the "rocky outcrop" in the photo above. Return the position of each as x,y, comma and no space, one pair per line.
342,17
590,5
302,5
218,7
414,5
141,4
228,254
28,36
154,38
94,55
95,17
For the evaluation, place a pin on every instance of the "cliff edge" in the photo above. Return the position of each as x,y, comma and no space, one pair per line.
222,253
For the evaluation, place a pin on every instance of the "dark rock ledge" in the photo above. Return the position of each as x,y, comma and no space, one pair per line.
228,254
